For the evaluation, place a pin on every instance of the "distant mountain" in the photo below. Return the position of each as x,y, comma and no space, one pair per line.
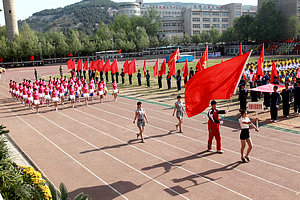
84,16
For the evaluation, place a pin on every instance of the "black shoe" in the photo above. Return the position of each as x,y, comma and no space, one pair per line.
247,158
243,160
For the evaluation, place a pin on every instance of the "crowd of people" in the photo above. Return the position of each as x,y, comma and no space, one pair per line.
34,94
286,75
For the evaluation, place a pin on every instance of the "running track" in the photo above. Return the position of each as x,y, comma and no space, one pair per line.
92,149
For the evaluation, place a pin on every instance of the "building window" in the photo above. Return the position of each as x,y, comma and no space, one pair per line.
216,25
173,24
196,19
216,19
238,7
196,25
206,25
225,20
224,26
179,24
238,13
196,32
206,19
206,13
196,13
225,14
216,14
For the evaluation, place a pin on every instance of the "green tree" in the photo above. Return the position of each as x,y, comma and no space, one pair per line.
141,38
244,28
214,35
205,37
164,42
196,39
228,35
294,27
61,46
29,41
4,47
74,43
154,42
186,40
152,22
268,22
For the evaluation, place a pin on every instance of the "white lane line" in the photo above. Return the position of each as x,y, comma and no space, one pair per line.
104,133
84,167
204,131
181,148
197,120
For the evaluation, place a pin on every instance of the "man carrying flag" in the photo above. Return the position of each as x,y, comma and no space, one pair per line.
163,69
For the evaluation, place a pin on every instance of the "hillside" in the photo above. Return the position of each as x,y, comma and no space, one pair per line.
84,16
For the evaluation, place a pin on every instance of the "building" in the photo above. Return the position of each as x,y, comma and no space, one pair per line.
10,19
181,18
130,9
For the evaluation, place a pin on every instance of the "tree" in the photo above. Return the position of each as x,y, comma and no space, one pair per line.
186,40
29,41
164,42
60,42
196,39
244,28
205,37
268,22
228,35
154,42
152,22
74,43
294,27
215,35
141,38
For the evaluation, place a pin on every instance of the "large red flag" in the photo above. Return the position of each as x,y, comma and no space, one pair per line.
69,64
273,72
86,65
125,66
79,64
172,68
298,73
185,69
175,56
114,67
100,66
96,65
31,58
107,67
144,68
92,65
73,65
155,68
259,70
163,68
1,59
216,82
241,50
132,67
201,65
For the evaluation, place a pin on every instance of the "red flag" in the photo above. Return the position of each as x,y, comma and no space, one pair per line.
125,67
201,65
163,68
86,65
92,65
31,58
73,64
175,56
107,67
172,68
69,64
155,68
273,72
132,67
144,68
298,73
185,69
97,65
79,64
100,66
1,59
114,67
70,54
216,82
241,50
259,70
120,51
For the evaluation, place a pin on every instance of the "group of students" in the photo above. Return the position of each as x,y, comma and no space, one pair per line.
58,90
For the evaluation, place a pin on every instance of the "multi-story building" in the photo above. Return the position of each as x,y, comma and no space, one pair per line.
179,18
129,9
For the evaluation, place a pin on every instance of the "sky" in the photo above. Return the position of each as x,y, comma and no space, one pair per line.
25,8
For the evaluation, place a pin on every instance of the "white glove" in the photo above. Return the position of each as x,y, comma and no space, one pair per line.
221,122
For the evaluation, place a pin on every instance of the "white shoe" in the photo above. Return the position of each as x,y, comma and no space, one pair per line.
210,150
220,151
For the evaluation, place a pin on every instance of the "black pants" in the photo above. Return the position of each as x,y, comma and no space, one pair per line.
251,84
274,112
267,100
101,75
169,85
117,77
243,104
148,83
84,74
159,83
297,105
130,79
139,81
185,80
106,76
123,80
178,85
286,109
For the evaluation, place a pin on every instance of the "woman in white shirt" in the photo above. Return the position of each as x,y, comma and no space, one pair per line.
245,135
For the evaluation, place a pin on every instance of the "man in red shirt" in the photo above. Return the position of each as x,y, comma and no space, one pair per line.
214,126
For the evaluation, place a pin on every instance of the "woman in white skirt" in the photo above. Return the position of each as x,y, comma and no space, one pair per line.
100,91
141,116
42,93
115,90
85,91
91,89
25,96
72,95
62,93
55,97
104,88
30,98
36,99
47,96
179,109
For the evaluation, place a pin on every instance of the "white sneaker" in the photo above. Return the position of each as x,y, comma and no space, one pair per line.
220,151
210,150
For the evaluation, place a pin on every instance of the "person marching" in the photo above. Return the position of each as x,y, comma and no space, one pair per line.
122,76
130,79
245,135
100,91
159,81
92,89
47,96
179,109
115,90
148,79
275,101
178,80
286,99
36,100
62,94
72,95
141,116
214,126
139,77
35,74
243,97
85,91
55,98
